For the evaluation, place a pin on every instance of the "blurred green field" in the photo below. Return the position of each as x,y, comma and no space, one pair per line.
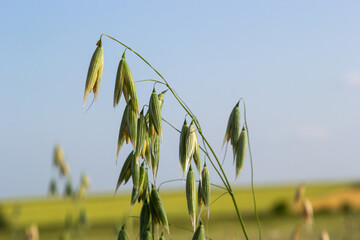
105,213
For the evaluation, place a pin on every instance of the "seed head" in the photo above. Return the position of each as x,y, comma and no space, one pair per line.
233,129
200,232
124,83
94,75
136,193
155,113
192,148
135,173
85,181
162,237
123,131
182,147
122,234
155,155
64,169
144,218
191,196
131,124
141,136
159,208
299,194
125,171
241,151
324,235
205,188
307,212
58,156
295,235
147,235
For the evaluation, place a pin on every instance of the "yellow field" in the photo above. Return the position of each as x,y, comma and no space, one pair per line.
104,211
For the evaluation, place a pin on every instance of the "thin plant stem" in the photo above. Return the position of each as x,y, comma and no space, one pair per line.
252,169
171,125
169,181
219,197
185,229
229,189
150,80
187,109
183,180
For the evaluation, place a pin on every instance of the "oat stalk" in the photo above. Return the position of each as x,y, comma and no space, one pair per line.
219,169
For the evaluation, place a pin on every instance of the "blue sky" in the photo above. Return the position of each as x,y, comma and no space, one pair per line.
297,64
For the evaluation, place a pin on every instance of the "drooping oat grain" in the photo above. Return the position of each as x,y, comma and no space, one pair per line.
122,234
241,151
159,208
132,123
182,147
125,170
205,188
141,135
200,232
94,75
155,155
191,196
155,113
144,218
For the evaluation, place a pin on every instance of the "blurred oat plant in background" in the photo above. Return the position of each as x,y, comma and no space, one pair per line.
75,196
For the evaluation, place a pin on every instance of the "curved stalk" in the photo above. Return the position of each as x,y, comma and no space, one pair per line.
252,168
197,124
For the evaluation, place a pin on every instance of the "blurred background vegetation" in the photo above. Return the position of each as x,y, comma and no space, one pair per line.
99,216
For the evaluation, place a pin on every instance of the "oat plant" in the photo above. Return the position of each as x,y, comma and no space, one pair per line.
142,128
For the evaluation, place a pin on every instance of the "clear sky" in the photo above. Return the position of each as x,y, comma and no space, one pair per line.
296,63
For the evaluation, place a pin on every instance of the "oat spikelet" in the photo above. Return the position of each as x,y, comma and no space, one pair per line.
196,156
59,158
200,232
122,234
182,147
295,235
94,75
64,169
161,98
144,187
123,131
191,196
200,202
125,172
147,151
308,213
233,129
162,236
85,181
241,151
141,135
324,235
124,83
155,155
135,173
205,188
132,123
144,218
155,113
192,149
147,235
159,208
136,192
32,232
299,195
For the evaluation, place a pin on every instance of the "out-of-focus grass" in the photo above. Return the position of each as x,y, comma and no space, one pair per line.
104,212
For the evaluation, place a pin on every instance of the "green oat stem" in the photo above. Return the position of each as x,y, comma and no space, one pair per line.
188,111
